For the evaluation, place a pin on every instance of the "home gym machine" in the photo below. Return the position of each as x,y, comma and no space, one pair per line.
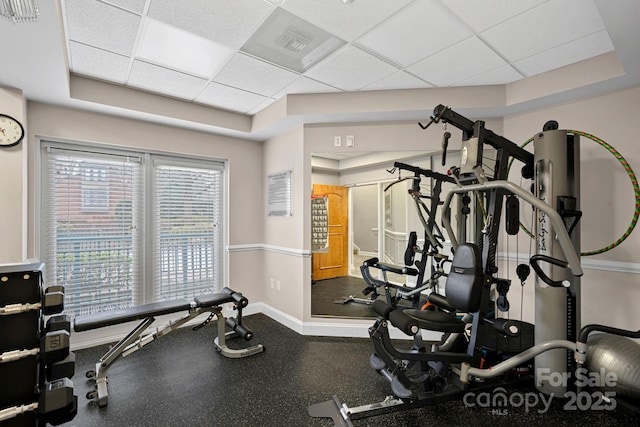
433,240
479,350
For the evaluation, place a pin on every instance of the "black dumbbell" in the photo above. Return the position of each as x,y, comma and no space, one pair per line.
60,322
54,288
53,300
66,368
64,415
57,403
54,346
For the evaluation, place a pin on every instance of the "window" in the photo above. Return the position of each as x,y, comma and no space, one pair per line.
187,237
120,229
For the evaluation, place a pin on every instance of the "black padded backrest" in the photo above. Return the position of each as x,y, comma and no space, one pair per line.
464,283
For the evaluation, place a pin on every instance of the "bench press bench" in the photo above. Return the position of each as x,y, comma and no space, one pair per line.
135,340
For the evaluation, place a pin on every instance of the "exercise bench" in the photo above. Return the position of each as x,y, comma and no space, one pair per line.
135,340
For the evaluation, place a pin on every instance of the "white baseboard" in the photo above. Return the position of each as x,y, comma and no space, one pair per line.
325,328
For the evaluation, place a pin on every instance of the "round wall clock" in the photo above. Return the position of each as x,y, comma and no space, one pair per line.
11,131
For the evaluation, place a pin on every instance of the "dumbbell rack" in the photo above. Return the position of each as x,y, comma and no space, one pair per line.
35,362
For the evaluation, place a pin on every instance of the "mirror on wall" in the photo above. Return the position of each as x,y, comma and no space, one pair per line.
367,218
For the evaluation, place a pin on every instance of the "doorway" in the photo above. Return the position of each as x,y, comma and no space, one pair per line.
377,227
333,261
364,208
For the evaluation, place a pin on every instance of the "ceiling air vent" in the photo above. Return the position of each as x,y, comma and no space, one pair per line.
291,42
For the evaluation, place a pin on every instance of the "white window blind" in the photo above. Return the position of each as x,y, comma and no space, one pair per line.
187,232
90,231
120,229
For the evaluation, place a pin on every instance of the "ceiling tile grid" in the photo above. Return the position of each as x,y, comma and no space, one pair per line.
469,58
181,50
481,15
191,49
230,98
98,63
565,54
500,75
102,26
347,21
136,6
164,81
254,75
229,22
351,69
416,32
544,27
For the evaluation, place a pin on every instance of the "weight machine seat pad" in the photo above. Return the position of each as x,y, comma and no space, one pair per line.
464,282
436,320
115,317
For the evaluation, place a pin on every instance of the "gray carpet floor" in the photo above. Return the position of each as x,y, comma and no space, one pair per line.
180,380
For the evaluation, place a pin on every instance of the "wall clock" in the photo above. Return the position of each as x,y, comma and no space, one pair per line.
11,131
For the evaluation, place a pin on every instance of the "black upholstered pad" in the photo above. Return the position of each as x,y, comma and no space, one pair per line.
108,318
464,282
211,300
436,320
398,269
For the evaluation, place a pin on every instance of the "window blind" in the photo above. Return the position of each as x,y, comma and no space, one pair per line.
122,228
91,227
187,232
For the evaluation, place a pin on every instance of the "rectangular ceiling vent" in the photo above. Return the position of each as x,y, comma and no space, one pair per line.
291,42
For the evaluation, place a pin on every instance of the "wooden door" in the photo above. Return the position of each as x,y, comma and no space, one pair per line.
334,263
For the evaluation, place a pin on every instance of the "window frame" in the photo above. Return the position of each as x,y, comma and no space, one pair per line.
146,292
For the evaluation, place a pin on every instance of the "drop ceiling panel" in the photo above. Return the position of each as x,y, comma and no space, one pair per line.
351,68
569,53
230,22
460,62
98,63
230,98
544,27
254,75
347,21
480,15
172,47
162,80
101,25
398,80
419,30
